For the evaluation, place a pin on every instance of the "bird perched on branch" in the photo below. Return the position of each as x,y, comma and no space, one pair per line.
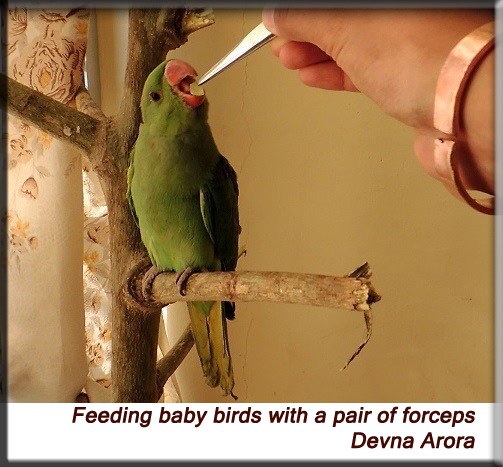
184,198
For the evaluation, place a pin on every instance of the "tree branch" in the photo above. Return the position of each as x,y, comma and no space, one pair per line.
152,32
49,115
196,19
348,292
351,292
168,364
106,137
280,287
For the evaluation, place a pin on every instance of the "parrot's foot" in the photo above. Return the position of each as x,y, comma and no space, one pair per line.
146,283
182,277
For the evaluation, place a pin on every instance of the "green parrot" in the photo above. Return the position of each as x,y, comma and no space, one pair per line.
184,198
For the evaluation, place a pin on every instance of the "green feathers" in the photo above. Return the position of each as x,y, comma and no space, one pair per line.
184,198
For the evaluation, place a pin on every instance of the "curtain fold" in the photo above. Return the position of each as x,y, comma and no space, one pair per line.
59,299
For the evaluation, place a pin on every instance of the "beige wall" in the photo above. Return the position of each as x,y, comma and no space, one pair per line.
327,182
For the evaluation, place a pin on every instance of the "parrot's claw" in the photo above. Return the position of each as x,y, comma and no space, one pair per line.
146,283
181,279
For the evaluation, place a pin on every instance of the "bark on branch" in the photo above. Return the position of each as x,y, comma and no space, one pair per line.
49,115
85,104
348,293
196,19
351,292
168,364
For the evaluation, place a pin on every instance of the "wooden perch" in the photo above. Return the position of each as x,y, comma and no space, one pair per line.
345,293
351,292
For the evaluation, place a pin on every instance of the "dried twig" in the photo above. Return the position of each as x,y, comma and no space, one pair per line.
168,364
351,292
348,293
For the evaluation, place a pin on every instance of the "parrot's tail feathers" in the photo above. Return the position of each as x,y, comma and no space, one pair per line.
201,333
219,341
212,344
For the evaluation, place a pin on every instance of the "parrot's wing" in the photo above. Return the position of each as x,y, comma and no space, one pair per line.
219,208
130,174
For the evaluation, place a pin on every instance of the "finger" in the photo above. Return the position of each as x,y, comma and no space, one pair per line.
269,20
325,28
295,55
326,75
287,23
277,44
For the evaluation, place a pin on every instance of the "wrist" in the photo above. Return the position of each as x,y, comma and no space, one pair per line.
428,55
477,127
453,159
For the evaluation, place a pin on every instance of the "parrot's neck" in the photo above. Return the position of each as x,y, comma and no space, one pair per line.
182,157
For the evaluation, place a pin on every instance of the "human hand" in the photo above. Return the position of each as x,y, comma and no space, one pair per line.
394,57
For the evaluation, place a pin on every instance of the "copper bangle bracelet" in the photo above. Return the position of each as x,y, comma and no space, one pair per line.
451,87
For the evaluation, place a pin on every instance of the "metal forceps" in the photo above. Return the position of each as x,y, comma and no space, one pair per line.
252,42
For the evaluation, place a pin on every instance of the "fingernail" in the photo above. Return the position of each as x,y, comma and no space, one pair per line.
268,19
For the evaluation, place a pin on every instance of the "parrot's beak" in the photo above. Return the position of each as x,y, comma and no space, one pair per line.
180,76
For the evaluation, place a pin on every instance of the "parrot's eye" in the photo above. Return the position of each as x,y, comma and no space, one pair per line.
155,96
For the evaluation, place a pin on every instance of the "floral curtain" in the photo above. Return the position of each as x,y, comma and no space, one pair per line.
96,263
47,362
59,302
